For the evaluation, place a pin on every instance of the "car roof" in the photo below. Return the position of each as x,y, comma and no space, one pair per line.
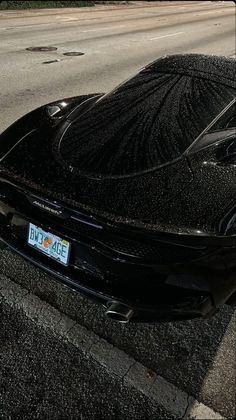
151,119
211,67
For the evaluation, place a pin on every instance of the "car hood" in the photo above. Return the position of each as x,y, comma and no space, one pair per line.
144,198
182,197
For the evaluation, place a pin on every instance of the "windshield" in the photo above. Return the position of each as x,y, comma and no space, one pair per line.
147,122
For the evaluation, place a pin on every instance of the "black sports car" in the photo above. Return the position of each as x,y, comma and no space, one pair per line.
130,197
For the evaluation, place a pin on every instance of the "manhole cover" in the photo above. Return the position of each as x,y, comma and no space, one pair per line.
51,61
73,53
41,49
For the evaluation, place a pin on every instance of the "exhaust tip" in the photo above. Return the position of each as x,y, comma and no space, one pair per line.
120,312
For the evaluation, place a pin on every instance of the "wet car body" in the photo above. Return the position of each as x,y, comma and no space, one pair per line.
140,182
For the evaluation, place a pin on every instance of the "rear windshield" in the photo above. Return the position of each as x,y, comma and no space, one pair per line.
226,121
147,122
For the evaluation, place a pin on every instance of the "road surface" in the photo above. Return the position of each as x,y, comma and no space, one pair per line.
115,43
198,357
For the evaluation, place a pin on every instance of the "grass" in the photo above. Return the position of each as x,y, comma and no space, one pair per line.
12,5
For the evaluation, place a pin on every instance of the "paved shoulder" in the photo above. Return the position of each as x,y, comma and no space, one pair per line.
196,356
52,366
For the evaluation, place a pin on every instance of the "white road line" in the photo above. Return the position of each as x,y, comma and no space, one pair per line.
103,29
165,36
209,12
68,19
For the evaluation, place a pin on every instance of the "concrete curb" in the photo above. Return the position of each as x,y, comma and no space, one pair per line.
115,361
11,14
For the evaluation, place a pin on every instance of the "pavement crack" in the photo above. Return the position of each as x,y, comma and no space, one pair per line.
187,407
94,343
60,318
129,368
71,327
151,386
86,312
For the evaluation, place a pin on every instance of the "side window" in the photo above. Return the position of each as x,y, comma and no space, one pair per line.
226,121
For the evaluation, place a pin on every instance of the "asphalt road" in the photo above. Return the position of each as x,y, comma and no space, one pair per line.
115,43
196,356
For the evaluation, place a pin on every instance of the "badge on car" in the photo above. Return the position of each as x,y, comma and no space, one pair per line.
51,245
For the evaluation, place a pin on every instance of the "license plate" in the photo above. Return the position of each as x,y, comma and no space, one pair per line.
51,245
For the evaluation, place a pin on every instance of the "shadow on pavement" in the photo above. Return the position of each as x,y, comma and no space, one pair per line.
198,356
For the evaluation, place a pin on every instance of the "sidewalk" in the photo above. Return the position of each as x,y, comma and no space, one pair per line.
52,367
97,8
192,356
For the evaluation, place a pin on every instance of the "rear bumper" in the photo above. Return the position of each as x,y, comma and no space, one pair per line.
153,294
178,297
188,306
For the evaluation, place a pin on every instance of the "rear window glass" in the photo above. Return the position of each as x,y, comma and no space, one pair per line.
145,123
226,121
